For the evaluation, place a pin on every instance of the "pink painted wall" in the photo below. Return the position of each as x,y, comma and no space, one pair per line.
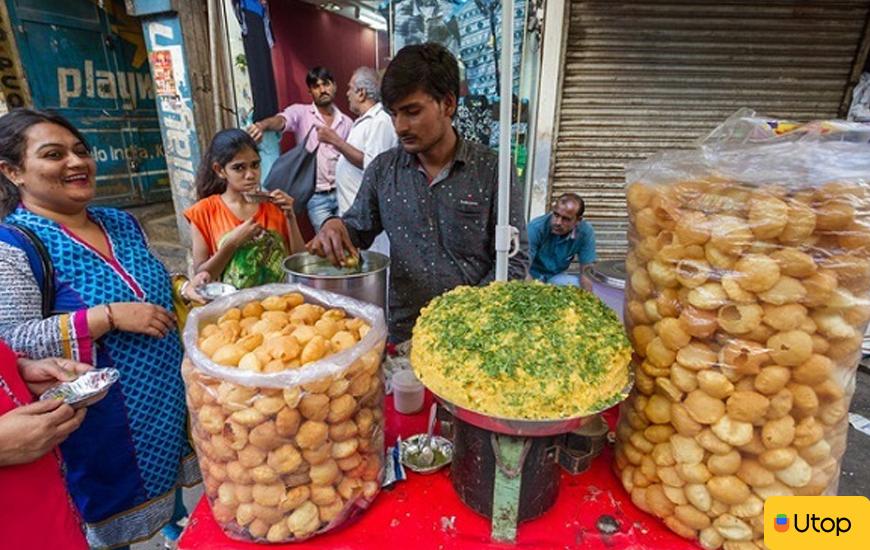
307,36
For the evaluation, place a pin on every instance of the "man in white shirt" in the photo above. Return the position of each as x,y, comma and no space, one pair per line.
372,134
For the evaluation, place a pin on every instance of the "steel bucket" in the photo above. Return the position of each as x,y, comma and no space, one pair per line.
369,284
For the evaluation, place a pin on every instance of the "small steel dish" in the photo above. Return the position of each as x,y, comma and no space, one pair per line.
85,390
439,444
213,291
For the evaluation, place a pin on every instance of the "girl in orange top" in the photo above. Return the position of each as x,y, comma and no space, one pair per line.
235,240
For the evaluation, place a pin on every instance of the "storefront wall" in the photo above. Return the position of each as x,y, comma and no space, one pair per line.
639,77
88,62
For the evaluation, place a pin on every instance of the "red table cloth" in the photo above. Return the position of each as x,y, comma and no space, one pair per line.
424,512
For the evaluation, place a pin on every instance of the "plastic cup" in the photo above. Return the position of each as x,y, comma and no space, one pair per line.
408,392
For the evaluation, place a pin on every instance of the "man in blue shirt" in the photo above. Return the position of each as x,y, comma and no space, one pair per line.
556,238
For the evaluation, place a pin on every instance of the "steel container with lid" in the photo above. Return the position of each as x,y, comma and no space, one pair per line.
608,283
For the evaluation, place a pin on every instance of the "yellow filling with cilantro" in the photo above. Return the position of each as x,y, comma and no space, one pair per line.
522,350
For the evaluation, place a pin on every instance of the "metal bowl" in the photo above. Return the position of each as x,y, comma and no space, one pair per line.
213,291
524,427
85,390
366,282
440,444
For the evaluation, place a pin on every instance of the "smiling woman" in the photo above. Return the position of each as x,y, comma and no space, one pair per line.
50,146
80,282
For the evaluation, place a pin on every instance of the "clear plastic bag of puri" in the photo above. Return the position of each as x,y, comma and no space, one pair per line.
285,392
747,301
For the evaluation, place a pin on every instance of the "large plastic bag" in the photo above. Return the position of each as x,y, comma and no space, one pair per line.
746,303
288,454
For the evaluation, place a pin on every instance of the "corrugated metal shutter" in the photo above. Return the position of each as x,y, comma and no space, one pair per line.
647,75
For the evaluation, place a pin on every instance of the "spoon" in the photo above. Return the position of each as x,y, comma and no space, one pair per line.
427,456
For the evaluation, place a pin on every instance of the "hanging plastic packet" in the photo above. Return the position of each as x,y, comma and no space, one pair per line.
393,469
860,423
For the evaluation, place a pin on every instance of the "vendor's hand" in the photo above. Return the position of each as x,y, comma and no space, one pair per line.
283,201
327,135
255,132
28,432
41,374
243,233
332,242
189,291
585,283
143,318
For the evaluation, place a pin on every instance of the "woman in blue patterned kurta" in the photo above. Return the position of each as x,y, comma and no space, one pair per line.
111,307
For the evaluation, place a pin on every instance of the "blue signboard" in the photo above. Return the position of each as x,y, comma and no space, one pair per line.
174,105
89,62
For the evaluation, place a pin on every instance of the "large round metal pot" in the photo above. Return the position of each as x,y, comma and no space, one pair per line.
608,283
368,283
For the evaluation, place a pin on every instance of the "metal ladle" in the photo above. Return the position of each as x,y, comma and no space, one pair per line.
427,455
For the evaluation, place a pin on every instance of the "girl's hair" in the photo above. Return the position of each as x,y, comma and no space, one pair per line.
13,144
225,145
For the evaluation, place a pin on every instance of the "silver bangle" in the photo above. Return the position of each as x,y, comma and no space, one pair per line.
183,288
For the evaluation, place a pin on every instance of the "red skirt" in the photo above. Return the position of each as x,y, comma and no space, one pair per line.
37,510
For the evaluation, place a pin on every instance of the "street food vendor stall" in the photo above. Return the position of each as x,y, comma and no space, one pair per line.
746,303
275,441
284,458
746,291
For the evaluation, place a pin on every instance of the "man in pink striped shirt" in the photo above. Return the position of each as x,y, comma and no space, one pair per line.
299,118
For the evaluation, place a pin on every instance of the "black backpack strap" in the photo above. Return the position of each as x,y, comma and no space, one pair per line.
47,267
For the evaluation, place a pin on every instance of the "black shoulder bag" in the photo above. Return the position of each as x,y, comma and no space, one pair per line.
294,173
